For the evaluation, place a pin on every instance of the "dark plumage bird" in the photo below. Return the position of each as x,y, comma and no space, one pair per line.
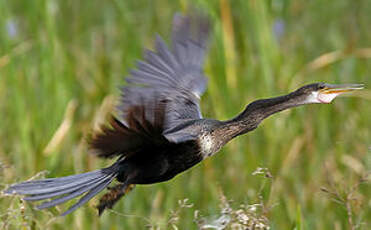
160,131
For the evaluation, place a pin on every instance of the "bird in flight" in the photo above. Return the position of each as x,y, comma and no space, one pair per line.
159,131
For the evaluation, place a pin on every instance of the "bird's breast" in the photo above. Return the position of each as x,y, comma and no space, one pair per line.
208,145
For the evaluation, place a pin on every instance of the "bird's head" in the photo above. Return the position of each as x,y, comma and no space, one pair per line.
324,93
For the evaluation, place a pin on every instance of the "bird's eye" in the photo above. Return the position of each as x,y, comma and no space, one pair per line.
321,86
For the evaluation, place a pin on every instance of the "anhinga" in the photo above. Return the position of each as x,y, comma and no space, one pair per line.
160,131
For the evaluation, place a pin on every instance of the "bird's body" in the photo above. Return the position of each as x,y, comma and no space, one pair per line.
160,131
161,161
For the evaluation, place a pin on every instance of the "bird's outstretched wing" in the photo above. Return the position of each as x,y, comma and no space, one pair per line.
174,75
163,92
142,129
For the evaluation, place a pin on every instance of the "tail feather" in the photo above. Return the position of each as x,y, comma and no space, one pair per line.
65,188
88,196
43,196
72,195
51,184
60,180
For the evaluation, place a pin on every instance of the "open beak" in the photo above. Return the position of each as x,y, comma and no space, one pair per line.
331,91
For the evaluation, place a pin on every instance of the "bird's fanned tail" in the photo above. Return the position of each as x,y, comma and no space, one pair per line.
65,188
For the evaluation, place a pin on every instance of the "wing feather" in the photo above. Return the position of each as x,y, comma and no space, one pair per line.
162,92
175,75
143,130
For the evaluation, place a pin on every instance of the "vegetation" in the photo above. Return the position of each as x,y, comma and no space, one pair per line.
307,168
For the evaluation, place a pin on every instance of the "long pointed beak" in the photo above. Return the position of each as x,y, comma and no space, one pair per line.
331,91
341,88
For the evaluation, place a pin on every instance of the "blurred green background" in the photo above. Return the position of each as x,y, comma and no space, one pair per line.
61,63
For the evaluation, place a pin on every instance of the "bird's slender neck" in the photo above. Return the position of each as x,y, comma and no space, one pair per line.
257,111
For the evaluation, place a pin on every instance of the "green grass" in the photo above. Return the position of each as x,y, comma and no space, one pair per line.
62,61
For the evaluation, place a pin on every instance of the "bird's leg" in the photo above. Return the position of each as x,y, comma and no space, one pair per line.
115,193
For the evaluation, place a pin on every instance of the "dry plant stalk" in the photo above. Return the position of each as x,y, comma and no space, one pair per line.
245,217
346,198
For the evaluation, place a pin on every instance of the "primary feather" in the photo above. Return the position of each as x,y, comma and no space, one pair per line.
166,87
